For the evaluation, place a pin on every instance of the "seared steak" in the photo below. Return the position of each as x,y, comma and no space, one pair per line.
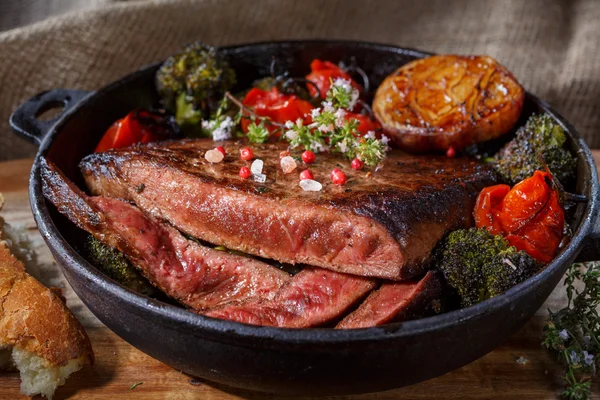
380,224
312,297
397,301
197,276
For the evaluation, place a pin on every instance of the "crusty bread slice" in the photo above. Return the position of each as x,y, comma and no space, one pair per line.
38,334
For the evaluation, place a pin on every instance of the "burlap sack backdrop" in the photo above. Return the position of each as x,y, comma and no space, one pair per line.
551,46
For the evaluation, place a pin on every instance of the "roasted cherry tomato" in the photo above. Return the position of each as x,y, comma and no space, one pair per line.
488,207
277,106
323,73
365,124
529,215
138,126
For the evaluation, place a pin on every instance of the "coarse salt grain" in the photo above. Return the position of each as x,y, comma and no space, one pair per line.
214,156
260,178
257,166
288,164
310,185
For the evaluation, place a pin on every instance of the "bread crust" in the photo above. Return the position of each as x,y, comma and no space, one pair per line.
34,319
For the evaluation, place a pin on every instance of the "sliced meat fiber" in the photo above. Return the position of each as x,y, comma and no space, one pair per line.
382,224
197,276
397,301
312,297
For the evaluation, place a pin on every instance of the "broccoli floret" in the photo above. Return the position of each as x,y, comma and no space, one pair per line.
192,82
479,265
537,145
114,264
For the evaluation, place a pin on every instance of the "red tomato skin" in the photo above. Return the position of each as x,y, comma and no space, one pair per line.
488,206
322,73
545,231
365,124
221,149
524,201
277,106
529,215
125,132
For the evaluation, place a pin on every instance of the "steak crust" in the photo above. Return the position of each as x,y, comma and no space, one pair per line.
380,224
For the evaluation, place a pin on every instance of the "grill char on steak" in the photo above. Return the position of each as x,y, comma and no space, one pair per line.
397,301
383,225
197,276
312,297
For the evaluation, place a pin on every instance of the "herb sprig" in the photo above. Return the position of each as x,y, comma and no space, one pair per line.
332,131
573,333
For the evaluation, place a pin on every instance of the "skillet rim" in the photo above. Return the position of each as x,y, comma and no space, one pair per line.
229,331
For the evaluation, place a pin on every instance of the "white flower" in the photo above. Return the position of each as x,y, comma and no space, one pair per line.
315,112
208,125
370,135
343,147
564,335
339,117
289,124
343,84
227,122
317,147
291,134
223,131
385,140
325,128
328,106
588,358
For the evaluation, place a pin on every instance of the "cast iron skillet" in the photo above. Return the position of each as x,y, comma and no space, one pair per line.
287,361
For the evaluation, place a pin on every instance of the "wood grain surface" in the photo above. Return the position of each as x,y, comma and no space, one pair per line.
119,366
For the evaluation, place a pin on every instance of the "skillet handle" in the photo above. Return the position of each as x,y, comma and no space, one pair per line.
25,121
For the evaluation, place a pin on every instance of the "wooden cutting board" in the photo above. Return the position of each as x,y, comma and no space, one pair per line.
120,366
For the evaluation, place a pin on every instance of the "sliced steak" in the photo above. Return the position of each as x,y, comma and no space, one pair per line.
398,301
196,276
312,297
382,224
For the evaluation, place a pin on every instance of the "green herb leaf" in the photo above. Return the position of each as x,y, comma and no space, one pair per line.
257,133
573,333
136,385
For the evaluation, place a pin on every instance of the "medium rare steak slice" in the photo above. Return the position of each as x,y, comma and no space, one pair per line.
197,276
380,224
397,301
312,297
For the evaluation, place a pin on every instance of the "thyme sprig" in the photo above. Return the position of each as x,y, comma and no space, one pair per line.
573,333
330,129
